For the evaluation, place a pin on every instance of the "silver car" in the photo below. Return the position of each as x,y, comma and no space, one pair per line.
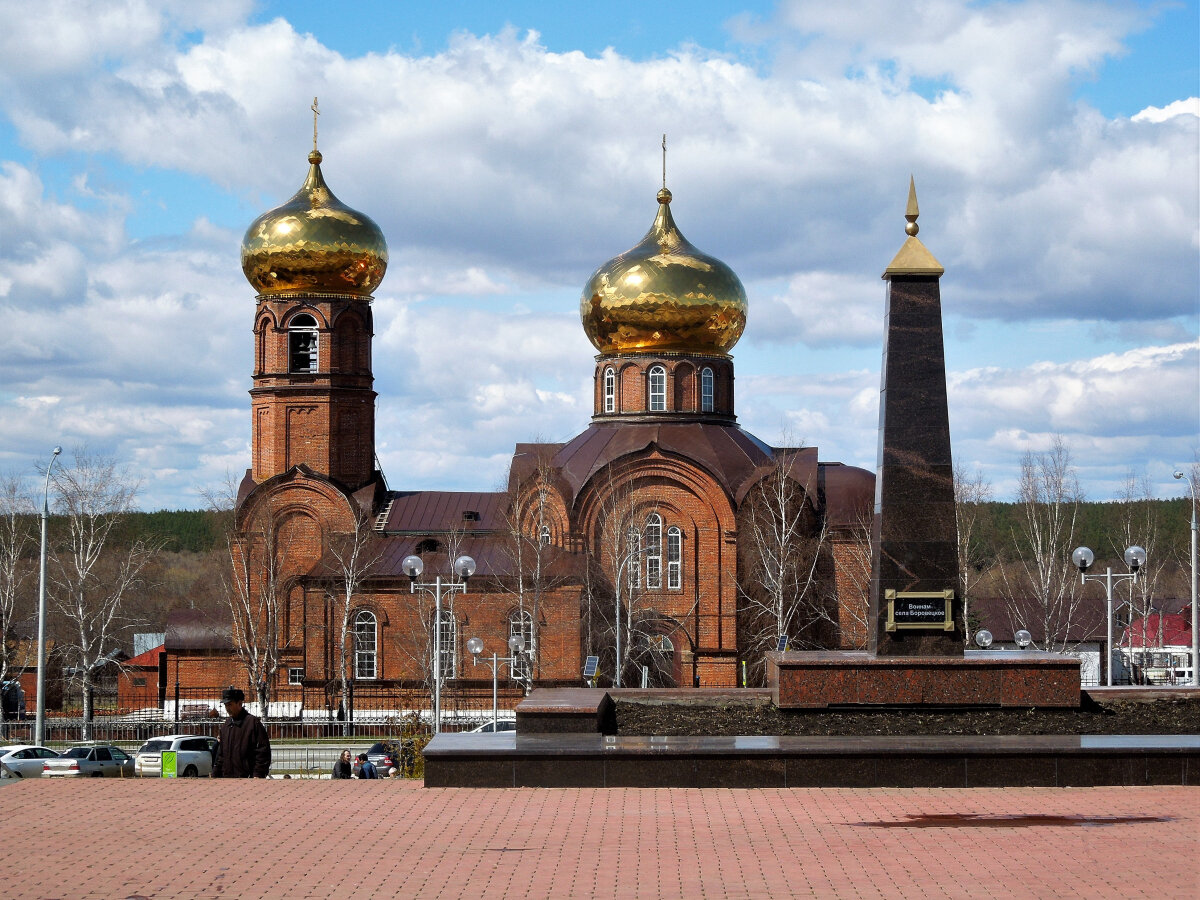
24,760
194,755
90,762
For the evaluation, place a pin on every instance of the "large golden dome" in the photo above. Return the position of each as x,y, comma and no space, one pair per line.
664,294
314,243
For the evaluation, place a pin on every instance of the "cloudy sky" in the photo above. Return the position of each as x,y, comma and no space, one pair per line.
508,149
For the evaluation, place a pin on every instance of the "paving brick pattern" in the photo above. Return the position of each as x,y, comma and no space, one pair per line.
209,839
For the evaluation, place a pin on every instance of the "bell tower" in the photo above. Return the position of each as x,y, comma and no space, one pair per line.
315,263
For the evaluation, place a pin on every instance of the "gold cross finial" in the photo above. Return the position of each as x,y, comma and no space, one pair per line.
664,146
316,112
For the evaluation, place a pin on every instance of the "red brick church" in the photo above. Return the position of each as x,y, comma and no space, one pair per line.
659,525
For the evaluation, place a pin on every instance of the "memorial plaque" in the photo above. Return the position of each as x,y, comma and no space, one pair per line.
931,610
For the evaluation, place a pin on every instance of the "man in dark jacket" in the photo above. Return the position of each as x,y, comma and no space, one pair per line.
245,749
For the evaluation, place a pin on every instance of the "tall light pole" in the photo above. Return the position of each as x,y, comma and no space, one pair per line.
39,728
516,647
1135,558
464,568
1195,630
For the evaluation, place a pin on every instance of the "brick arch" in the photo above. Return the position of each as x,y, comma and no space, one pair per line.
555,513
351,344
303,308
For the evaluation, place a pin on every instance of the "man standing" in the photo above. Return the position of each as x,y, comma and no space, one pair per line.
245,749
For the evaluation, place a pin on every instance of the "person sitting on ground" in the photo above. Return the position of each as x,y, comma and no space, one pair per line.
366,768
342,768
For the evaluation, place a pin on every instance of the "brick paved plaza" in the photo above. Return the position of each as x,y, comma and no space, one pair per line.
201,839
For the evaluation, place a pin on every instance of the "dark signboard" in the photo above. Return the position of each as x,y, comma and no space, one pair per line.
920,609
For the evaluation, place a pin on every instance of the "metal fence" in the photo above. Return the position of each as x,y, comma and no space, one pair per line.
304,742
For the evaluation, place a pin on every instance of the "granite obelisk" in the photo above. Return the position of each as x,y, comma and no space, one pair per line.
915,602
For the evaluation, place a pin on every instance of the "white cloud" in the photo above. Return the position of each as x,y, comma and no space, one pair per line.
1156,114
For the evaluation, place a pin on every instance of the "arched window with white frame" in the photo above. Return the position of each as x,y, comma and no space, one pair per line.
674,558
610,390
654,551
658,389
706,389
366,645
302,344
520,624
544,535
446,638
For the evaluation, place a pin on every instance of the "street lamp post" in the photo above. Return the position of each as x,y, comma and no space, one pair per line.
1195,630
39,728
516,647
1135,558
464,568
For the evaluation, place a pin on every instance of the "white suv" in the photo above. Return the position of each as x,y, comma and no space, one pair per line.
194,755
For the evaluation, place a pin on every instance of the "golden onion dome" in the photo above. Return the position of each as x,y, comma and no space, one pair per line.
663,295
314,243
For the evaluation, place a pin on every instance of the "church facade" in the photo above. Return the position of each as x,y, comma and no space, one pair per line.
663,539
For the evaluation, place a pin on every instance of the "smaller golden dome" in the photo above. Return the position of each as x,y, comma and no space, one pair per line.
314,243
663,295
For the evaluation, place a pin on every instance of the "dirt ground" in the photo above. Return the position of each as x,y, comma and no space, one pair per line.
760,717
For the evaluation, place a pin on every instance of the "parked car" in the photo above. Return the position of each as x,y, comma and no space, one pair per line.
24,760
393,754
194,755
100,761
498,725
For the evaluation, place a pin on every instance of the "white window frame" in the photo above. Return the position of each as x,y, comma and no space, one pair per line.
299,328
520,621
674,558
610,390
448,635
706,389
296,675
544,536
658,388
366,657
653,552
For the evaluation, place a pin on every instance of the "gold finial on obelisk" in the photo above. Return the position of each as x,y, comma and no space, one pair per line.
315,156
911,212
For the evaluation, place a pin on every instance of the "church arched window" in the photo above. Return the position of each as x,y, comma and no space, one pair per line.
674,558
520,624
658,389
654,551
446,642
706,389
544,534
610,390
366,653
302,343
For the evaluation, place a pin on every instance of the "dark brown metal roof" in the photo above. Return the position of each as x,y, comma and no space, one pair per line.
199,629
849,495
492,554
442,511
730,455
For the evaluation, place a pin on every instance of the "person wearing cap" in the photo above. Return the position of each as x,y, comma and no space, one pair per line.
245,749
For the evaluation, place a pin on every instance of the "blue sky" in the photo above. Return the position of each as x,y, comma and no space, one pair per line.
509,149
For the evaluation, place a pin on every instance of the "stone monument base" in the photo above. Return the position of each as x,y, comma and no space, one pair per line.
817,680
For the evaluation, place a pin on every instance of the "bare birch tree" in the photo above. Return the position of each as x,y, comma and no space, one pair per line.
971,492
16,537
91,578
257,588
780,542
531,550
353,558
1139,525
1041,588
